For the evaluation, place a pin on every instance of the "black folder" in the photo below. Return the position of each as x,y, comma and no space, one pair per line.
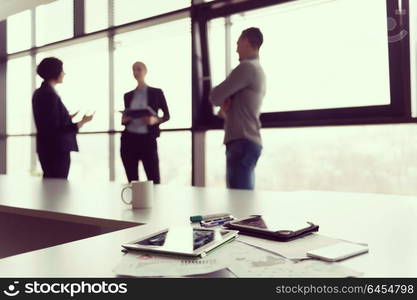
139,113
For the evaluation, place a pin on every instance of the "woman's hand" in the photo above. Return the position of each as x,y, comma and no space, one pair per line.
74,114
126,119
84,120
150,120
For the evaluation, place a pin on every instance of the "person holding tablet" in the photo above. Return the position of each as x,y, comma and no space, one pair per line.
138,141
56,133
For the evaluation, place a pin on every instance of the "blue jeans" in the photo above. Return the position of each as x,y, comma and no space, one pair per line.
241,158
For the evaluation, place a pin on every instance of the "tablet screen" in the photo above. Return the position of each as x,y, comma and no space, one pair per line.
157,240
182,239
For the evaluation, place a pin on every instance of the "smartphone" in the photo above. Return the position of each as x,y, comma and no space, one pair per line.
337,252
90,112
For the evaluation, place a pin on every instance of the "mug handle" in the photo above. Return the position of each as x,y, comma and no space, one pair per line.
124,189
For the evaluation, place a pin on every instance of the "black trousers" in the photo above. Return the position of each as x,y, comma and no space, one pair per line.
55,164
140,147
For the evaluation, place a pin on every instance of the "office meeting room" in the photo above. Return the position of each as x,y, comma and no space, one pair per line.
208,148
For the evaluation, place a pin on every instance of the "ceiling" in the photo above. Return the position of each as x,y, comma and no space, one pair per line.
11,7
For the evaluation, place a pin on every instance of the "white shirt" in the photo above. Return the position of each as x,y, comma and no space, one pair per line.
139,101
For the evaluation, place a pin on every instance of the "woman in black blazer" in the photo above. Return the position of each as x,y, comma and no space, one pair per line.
138,141
56,133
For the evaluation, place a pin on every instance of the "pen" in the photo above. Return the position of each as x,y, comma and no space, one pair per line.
209,217
216,222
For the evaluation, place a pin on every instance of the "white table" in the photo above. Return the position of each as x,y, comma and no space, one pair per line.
388,223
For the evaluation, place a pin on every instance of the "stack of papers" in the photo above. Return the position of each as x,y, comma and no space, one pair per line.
241,259
249,261
296,249
155,265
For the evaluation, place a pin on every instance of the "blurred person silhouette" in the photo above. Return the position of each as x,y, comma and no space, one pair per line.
138,140
240,97
56,133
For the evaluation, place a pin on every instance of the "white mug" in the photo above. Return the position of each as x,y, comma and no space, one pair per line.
142,194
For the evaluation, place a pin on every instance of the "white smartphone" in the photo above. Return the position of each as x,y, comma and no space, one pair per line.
338,251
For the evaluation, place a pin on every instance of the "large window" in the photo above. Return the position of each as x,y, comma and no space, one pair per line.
127,10
174,150
92,161
96,15
374,159
317,54
19,156
19,95
54,21
175,157
19,28
327,62
217,47
85,87
165,49
215,159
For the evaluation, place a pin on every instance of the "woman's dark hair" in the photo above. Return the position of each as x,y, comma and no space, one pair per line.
50,68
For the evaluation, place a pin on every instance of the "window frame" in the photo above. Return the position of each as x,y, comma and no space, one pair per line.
398,111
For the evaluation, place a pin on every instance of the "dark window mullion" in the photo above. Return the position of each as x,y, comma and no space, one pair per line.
3,95
399,57
79,18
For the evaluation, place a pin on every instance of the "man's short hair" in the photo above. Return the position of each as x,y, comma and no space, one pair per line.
254,36
50,68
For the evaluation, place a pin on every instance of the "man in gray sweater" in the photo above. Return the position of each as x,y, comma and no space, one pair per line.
240,97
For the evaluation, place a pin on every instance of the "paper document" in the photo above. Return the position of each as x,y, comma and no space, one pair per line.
241,259
154,265
248,261
295,249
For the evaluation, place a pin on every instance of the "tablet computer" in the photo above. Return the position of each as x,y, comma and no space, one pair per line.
139,113
272,227
183,241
